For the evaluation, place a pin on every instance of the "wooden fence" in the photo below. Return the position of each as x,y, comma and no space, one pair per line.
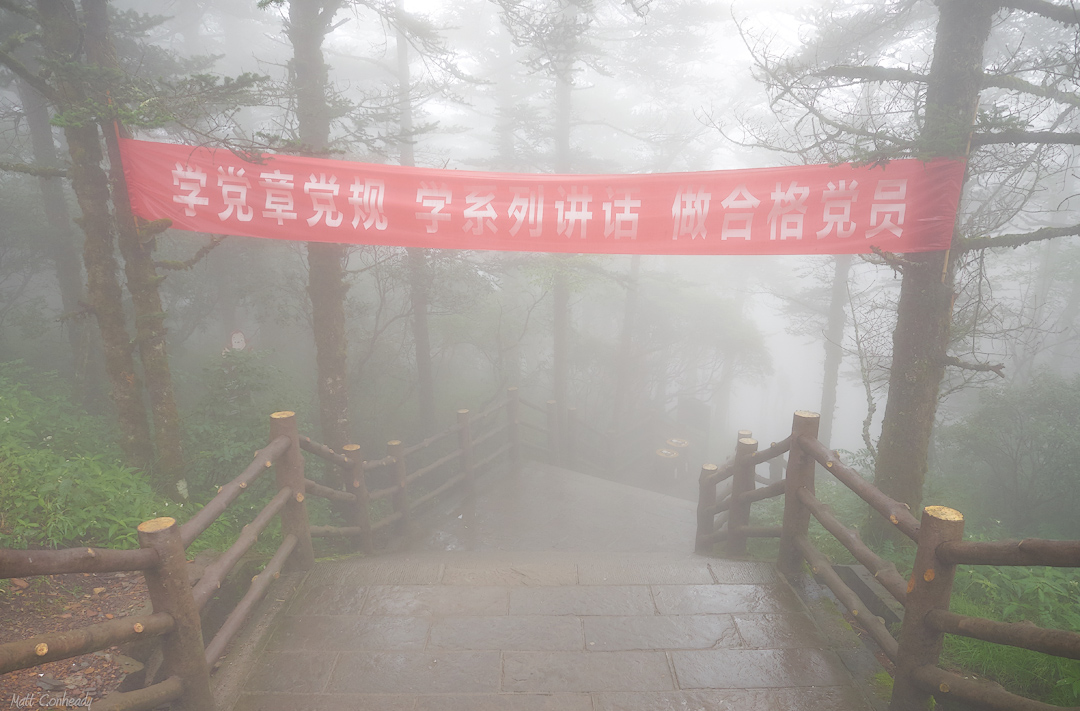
479,441
728,492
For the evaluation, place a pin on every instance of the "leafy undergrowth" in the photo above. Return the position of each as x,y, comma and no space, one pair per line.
1047,597
62,482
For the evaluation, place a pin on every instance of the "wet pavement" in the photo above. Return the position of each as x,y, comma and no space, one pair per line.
555,591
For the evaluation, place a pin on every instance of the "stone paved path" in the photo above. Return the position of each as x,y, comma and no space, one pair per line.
549,627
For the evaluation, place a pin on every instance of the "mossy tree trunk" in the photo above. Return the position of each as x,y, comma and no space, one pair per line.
61,36
309,23
834,345
143,281
63,248
419,274
927,292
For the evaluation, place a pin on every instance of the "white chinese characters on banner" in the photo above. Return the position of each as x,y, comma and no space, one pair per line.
737,225
621,214
234,189
527,208
435,197
573,211
322,192
837,211
279,203
479,213
689,211
191,180
788,210
367,198
888,214
581,211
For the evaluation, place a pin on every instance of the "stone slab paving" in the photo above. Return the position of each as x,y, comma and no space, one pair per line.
554,591
547,630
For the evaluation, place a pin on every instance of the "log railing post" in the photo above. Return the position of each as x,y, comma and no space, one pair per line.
553,431
513,434
170,592
465,444
289,472
800,474
356,484
706,501
570,438
742,482
929,589
396,449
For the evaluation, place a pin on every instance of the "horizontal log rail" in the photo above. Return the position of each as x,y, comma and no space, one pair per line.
424,444
259,585
896,512
327,492
217,571
765,492
531,426
480,439
533,406
323,452
379,463
822,568
143,699
382,493
424,471
228,493
722,473
759,531
52,646
23,563
1030,551
984,693
1059,643
496,406
387,520
884,571
441,489
493,456
774,450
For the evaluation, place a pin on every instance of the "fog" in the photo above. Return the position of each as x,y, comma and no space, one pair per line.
635,87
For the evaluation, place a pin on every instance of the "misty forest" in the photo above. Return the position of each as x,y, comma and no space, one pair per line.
140,363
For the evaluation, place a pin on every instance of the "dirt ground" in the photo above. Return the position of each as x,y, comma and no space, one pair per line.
54,603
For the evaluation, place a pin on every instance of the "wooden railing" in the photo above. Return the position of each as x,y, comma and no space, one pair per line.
419,473
176,604
480,440
925,597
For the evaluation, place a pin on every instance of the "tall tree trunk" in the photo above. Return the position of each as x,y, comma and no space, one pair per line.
61,34
419,276
625,355
924,311
309,22
834,342
63,249
142,281
560,300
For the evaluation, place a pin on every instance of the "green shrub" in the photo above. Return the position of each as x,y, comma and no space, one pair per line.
61,479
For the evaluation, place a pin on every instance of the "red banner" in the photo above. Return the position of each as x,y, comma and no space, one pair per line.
903,206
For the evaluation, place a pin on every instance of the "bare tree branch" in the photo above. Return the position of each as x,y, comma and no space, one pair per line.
995,368
1065,14
23,72
1018,136
1017,240
175,265
871,73
19,9
41,171
1012,83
